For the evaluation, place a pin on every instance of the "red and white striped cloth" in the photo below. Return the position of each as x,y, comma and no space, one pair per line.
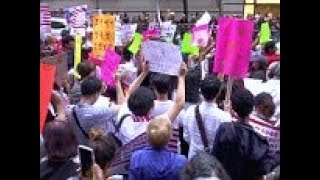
78,16
45,14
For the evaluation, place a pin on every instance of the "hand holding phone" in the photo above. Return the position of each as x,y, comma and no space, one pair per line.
86,159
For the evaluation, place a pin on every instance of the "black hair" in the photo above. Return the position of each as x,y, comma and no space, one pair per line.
161,83
126,54
192,83
242,102
91,86
210,87
269,47
264,103
204,165
66,40
60,142
85,68
141,101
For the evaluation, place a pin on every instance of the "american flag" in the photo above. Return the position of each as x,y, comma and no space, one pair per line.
45,14
77,16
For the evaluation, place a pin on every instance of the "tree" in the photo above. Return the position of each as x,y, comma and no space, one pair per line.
219,5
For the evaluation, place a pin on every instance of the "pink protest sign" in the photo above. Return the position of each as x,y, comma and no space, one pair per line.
234,40
200,35
109,67
151,33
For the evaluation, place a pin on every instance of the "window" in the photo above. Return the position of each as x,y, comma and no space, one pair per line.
57,25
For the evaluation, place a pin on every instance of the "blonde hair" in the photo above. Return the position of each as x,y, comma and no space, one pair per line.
159,132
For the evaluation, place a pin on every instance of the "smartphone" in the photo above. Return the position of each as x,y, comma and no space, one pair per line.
86,159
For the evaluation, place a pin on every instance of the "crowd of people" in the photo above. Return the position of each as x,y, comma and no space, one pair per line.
239,140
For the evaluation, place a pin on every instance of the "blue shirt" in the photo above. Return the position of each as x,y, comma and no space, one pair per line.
156,164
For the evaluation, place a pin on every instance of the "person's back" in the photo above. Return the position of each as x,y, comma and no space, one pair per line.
210,114
263,122
156,162
84,116
243,152
60,160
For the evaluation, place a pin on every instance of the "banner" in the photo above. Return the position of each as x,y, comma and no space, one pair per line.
150,34
117,35
162,57
135,45
47,74
200,35
265,33
77,54
110,66
103,34
234,40
45,16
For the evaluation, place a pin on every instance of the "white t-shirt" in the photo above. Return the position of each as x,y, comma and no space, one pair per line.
161,107
102,102
212,117
132,127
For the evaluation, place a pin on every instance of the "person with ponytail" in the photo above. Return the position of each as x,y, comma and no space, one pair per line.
104,149
263,120
243,152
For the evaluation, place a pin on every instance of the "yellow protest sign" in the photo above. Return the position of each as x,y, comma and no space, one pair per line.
103,34
77,54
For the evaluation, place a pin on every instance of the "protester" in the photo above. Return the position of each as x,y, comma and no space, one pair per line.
104,149
204,166
140,101
202,121
263,120
243,152
84,116
270,52
258,67
133,126
85,69
156,162
60,161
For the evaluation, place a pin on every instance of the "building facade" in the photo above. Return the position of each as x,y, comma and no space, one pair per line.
136,7
261,7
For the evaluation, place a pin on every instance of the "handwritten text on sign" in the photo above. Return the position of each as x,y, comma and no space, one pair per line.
162,57
103,34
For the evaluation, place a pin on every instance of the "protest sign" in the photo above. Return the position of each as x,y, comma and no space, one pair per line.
162,57
45,16
117,32
78,19
127,32
150,34
77,54
205,19
187,47
103,34
135,45
265,33
234,40
200,35
167,31
47,73
109,67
